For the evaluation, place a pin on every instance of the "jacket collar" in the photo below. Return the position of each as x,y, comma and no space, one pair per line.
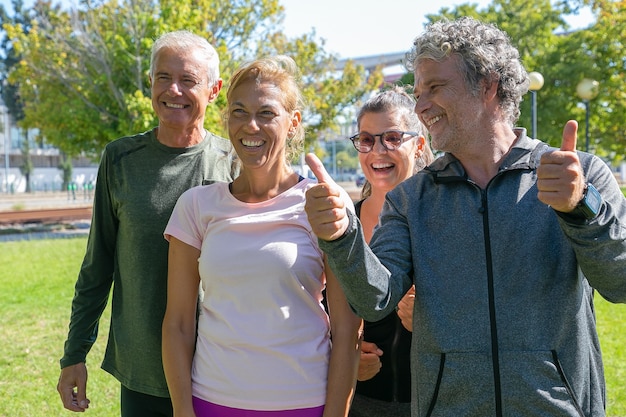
521,156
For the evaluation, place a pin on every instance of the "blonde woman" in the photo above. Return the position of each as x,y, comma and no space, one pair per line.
263,341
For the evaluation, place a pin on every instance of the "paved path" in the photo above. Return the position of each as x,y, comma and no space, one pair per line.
43,200
57,199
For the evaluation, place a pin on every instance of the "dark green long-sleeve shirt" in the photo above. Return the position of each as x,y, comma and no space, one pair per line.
139,181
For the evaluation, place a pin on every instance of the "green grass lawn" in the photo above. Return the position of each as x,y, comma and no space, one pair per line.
36,288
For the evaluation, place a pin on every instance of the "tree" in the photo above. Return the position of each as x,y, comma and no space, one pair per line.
347,160
9,91
27,168
84,71
65,166
606,63
547,45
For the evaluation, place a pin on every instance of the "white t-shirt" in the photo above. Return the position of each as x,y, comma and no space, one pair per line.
263,335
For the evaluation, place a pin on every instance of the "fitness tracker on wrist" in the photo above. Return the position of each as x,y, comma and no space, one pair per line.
590,204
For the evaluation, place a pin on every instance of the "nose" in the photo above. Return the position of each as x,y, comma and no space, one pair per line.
378,145
251,123
173,88
422,104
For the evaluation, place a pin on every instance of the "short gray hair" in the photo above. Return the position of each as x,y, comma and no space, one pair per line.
185,40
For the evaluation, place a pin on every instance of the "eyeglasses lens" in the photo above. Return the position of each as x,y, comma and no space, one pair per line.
364,142
392,139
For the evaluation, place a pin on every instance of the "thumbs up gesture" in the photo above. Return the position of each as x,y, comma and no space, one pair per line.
325,206
560,177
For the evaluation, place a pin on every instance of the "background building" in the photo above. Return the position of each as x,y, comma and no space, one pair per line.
46,175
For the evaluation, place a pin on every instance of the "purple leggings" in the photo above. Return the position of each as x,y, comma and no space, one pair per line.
207,409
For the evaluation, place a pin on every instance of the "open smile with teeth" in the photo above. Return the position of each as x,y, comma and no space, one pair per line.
382,166
432,121
174,105
252,143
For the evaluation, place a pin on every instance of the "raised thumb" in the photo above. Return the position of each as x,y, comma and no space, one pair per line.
569,136
318,169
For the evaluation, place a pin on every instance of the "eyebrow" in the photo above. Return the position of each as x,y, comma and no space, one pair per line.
272,107
183,75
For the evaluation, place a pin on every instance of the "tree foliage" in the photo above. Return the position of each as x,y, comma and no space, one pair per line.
83,72
564,57
10,93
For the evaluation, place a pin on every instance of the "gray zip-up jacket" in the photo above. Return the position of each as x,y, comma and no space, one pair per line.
504,321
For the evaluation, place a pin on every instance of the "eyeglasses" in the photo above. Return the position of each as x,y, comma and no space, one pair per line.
391,139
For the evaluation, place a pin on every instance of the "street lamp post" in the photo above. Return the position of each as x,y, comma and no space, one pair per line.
4,111
536,82
587,89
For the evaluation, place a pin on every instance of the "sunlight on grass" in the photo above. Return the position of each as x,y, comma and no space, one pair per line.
36,290
612,331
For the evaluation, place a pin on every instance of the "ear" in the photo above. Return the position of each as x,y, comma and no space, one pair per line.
215,90
421,142
490,87
296,119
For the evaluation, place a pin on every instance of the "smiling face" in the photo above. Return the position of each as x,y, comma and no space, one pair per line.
180,93
385,169
259,124
449,110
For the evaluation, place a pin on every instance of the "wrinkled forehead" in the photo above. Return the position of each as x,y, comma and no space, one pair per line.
427,71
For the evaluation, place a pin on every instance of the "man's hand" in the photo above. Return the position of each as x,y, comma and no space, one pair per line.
324,206
369,364
72,387
560,178
405,309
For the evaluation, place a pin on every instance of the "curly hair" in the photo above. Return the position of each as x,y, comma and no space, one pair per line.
486,53
283,72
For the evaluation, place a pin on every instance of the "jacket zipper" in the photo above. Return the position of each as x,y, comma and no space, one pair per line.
492,307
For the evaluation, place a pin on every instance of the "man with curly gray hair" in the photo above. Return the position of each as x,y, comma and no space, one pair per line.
484,52
505,239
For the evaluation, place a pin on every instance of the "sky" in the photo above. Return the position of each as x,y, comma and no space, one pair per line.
358,28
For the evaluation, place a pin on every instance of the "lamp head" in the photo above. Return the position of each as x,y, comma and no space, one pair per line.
536,81
587,89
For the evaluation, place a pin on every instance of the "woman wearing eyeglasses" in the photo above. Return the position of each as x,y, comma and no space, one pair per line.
392,146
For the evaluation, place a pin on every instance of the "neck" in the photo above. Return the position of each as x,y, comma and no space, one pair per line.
176,138
256,185
377,199
481,162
